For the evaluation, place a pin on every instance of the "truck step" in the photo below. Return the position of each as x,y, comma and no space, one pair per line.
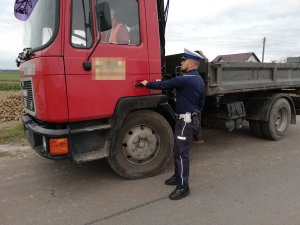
91,128
90,156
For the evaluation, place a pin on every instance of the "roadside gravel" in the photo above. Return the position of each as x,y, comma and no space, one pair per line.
16,151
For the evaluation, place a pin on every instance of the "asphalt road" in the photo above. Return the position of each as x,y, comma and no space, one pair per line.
236,179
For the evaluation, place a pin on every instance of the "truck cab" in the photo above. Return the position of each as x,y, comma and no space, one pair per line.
79,87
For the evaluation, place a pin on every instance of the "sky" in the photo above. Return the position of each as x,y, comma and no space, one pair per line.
215,27
11,33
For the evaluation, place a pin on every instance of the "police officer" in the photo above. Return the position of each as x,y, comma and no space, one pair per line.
190,95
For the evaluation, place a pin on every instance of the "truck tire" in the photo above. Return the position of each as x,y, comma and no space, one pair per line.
255,127
279,120
144,146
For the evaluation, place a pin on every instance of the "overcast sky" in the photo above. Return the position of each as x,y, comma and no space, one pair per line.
215,27
10,35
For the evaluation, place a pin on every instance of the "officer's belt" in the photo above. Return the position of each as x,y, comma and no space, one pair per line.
193,116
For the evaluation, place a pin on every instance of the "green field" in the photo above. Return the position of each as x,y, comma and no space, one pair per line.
9,81
9,76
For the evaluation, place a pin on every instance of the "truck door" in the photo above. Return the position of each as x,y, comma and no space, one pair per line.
118,62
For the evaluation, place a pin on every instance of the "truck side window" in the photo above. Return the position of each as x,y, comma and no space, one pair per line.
82,27
125,23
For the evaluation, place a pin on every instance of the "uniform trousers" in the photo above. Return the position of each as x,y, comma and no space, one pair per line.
183,137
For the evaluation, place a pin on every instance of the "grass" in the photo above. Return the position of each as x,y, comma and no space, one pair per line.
9,81
13,133
9,86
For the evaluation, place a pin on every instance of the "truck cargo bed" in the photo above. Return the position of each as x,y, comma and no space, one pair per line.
233,77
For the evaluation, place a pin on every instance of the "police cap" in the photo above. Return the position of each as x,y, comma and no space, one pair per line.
191,55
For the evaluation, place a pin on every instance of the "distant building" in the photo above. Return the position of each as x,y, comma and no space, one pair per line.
293,59
241,57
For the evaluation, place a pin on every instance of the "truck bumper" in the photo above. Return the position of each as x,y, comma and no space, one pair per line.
38,137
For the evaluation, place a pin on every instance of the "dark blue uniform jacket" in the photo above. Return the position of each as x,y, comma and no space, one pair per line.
190,91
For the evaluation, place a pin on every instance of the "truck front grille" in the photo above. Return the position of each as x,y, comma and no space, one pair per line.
27,95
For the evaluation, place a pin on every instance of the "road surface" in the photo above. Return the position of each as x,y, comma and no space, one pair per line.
235,179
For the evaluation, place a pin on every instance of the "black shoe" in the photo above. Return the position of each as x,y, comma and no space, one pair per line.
179,193
171,181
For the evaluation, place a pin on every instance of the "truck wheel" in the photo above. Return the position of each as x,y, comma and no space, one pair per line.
279,120
144,146
255,127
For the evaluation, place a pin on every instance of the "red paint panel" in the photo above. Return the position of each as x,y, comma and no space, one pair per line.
49,88
154,41
92,99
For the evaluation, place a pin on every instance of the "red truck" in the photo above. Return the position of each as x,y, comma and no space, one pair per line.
81,92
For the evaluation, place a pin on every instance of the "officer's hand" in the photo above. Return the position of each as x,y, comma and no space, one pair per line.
144,82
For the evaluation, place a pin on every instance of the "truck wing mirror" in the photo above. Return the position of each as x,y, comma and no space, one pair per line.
103,16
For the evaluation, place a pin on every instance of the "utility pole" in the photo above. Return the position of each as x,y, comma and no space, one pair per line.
263,53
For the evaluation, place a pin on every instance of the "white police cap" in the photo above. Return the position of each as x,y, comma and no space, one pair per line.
191,55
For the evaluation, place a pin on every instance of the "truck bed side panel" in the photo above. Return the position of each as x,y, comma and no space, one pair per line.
233,77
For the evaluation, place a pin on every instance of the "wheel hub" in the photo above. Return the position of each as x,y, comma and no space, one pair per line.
140,145
281,120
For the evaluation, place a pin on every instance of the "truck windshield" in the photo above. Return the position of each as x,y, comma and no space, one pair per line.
41,27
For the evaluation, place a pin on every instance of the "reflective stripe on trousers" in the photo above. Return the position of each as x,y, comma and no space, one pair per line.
183,136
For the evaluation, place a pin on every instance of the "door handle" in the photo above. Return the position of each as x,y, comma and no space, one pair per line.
138,84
